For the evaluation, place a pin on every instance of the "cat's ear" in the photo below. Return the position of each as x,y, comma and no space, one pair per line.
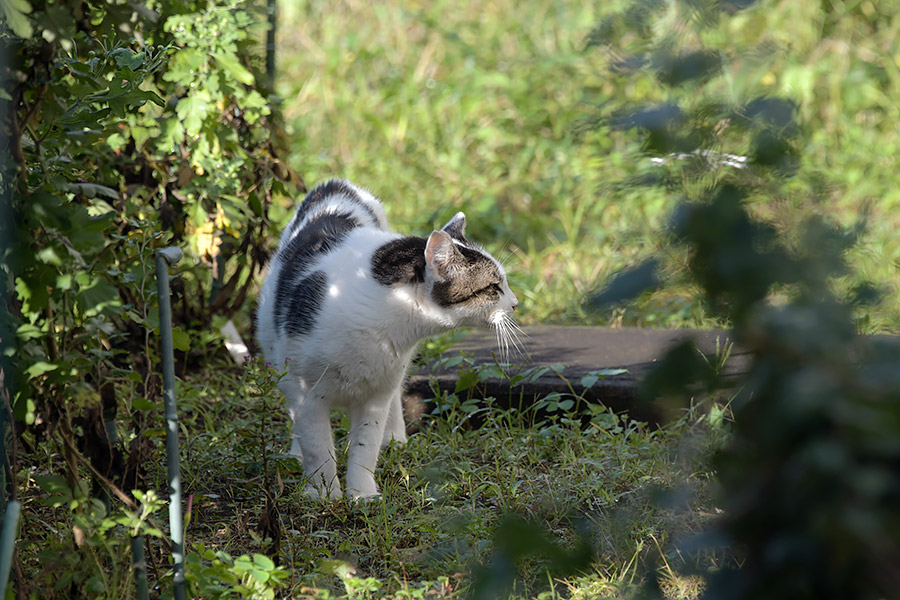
441,255
456,227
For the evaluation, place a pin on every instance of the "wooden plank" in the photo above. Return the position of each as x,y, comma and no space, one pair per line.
581,351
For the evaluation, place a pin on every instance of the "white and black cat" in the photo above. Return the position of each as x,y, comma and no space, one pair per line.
345,303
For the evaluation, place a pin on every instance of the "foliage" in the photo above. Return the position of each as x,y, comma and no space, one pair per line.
810,477
121,146
127,129
215,574
101,567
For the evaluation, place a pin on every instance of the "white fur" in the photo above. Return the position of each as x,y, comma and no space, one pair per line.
356,356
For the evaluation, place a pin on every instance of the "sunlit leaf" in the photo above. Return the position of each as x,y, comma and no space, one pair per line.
15,14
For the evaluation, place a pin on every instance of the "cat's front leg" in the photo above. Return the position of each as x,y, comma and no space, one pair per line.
367,428
312,428
293,399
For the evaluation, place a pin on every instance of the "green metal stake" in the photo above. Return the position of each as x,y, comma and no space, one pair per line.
5,483
139,564
8,541
165,258
270,44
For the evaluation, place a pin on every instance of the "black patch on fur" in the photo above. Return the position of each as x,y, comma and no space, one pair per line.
318,237
400,261
326,191
306,298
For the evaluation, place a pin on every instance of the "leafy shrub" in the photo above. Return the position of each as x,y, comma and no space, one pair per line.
117,148
128,129
810,477
102,566
216,574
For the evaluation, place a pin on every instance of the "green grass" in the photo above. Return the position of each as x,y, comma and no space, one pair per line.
475,107
484,106
630,492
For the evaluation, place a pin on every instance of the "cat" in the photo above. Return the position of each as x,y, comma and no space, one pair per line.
343,307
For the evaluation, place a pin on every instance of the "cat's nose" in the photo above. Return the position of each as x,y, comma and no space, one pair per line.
515,304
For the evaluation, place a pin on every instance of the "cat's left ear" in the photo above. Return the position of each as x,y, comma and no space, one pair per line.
456,227
441,255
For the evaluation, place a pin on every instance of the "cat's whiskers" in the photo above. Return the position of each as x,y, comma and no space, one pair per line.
508,340
514,331
507,255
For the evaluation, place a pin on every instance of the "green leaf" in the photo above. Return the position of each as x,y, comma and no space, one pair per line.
116,141
86,231
263,562
57,487
490,372
608,372
14,12
28,331
243,563
49,256
92,190
594,376
192,110
588,381
142,404
230,64
96,297
180,339
466,381
39,368
128,58
171,137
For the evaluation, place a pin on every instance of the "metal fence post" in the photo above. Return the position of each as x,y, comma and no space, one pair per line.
165,258
8,541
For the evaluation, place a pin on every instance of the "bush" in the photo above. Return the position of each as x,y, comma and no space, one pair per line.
128,129
811,477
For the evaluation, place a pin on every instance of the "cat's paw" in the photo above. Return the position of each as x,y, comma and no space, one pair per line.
364,498
322,494
363,488
398,437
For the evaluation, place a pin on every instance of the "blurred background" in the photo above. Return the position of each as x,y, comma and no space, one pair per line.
521,114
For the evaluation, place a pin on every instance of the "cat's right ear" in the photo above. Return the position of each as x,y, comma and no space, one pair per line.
456,227
440,255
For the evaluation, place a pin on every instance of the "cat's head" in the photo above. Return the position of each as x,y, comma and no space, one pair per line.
466,281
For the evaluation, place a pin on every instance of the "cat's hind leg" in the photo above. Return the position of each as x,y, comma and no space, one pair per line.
367,429
395,429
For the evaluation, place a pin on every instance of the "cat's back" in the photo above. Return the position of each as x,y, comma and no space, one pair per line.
325,217
334,220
